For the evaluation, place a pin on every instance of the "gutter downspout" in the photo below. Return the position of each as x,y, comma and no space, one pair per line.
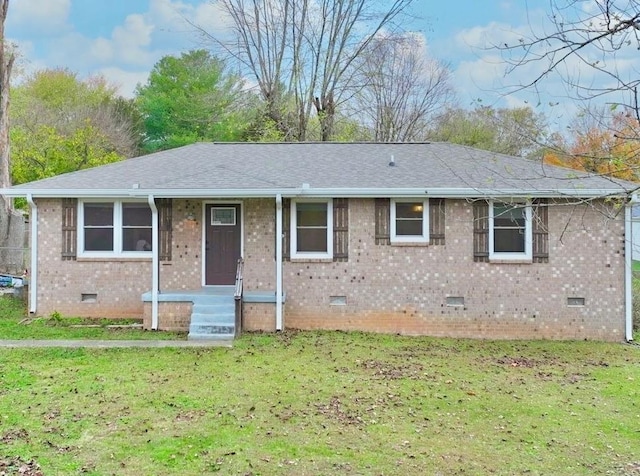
628,271
155,263
279,323
33,278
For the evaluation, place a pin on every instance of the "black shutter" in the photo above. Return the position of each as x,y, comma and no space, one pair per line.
436,221
69,228
165,228
340,229
540,218
481,231
383,221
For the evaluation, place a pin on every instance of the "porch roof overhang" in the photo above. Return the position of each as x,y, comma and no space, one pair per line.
305,191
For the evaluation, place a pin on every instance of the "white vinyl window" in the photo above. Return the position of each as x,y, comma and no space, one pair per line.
409,221
510,232
311,229
109,228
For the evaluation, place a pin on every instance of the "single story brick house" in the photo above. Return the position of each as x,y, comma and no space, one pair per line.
414,238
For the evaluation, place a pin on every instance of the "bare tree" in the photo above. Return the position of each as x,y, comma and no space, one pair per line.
7,58
592,46
402,88
11,223
303,52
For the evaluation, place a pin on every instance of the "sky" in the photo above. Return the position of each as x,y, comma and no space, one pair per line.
123,39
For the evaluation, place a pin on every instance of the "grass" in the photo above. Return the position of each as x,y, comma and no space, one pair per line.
14,325
314,403
319,403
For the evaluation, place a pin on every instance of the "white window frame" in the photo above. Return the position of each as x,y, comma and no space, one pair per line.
117,231
528,233
295,254
424,237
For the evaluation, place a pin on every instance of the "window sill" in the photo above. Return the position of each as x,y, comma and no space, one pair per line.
311,260
510,261
113,258
409,243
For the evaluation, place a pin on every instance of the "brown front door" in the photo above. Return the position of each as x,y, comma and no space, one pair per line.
222,243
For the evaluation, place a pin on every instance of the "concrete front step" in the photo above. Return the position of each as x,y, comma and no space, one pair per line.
211,327
212,318
215,309
211,331
222,318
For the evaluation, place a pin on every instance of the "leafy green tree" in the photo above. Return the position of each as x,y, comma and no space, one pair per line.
191,98
46,152
61,124
515,131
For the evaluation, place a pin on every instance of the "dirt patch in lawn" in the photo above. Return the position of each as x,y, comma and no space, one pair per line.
14,435
385,370
16,465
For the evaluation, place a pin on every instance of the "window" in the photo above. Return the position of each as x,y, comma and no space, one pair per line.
510,234
136,227
409,221
98,226
114,228
312,226
223,216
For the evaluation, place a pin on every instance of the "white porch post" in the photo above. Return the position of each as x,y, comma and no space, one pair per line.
279,323
33,278
628,270
155,262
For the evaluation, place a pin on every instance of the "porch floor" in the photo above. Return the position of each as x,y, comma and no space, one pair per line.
190,294
186,295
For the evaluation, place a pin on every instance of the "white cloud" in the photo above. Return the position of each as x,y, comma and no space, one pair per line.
166,27
125,55
211,17
135,31
102,50
126,81
131,41
47,17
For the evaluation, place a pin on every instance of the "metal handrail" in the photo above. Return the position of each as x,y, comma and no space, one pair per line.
237,294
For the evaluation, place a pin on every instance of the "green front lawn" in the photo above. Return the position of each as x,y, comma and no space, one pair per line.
325,403
15,325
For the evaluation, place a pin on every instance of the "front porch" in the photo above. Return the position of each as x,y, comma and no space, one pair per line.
212,312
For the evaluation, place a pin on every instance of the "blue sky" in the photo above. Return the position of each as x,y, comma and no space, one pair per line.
122,39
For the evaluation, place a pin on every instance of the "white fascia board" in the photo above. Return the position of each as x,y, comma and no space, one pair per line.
143,193
314,192
462,193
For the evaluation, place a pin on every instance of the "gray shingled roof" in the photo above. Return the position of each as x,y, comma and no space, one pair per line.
210,169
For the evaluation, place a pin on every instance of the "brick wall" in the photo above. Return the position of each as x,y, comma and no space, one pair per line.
172,316
117,284
260,245
184,271
404,289
259,316
387,288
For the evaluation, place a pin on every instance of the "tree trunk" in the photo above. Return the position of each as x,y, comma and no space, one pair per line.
6,214
326,109
6,63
